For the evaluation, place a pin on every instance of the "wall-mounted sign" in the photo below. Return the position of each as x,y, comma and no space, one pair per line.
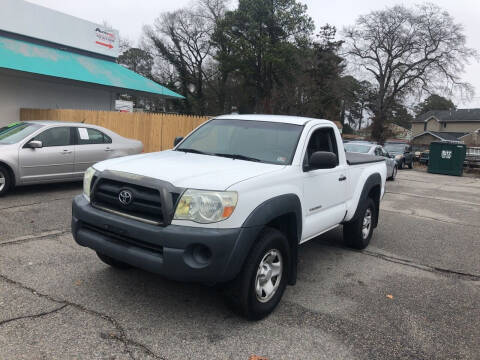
124,106
23,18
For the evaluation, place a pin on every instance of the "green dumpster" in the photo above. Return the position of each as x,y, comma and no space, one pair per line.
446,158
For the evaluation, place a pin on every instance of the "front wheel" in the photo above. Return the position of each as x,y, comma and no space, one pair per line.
410,166
5,181
259,287
394,174
357,233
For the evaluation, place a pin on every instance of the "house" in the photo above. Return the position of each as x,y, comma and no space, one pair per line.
461,125
53,60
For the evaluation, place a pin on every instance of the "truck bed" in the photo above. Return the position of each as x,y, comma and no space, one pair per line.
357,159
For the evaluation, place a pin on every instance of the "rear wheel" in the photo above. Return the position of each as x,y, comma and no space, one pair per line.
258,288
357,233
113,262
5,180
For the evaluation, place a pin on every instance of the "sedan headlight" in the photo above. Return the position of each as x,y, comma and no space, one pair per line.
206,206
87,182
398,157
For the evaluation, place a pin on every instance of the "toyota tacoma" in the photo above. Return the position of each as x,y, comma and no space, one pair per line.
230,204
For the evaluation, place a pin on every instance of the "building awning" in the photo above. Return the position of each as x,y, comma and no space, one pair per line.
38,59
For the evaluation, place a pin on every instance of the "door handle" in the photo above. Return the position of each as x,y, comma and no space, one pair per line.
65,152
108,149
342,178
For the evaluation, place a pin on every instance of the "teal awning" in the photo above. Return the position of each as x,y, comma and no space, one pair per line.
32,58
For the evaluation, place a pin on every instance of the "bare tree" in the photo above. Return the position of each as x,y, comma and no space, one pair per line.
182,38
407,50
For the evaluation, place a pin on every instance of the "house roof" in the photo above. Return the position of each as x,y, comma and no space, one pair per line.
457,115
32,58
444,136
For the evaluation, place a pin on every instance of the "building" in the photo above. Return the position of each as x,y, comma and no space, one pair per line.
461,125
52,60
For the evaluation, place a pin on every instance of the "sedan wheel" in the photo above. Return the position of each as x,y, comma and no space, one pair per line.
5,182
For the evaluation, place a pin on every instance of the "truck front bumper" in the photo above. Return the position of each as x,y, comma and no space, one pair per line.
176,252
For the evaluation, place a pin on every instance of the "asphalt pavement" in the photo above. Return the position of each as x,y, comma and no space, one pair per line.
413,294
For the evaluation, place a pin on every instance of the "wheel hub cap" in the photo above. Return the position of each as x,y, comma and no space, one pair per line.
367,223
2,181
269,275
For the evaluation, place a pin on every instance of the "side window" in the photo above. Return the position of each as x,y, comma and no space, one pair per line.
87,136
378,151
58,136
321,140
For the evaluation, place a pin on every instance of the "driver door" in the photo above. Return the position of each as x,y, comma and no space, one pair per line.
325,190
53,161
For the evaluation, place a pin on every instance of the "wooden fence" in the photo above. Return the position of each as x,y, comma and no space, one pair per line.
156,131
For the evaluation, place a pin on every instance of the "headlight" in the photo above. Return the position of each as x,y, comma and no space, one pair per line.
206,206
398,157
87,182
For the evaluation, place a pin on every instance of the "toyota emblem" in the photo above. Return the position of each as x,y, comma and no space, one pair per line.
125,197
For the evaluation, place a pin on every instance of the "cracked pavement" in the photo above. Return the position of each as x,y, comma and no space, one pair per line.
413,294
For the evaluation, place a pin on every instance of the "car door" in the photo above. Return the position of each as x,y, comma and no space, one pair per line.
325,190
53,161
390,162
92,146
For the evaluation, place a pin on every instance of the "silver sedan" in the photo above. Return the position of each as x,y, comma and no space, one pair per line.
35,152
374,149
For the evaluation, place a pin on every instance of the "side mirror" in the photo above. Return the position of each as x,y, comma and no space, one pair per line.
322,160
177,140
34,144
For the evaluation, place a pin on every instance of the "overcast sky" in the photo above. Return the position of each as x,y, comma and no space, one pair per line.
129,16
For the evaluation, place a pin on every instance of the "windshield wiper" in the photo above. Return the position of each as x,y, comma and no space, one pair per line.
239,157
194,151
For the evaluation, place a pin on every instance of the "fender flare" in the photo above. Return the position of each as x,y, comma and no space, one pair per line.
268,211
373,180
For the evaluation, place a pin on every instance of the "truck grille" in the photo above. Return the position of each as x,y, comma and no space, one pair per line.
140,202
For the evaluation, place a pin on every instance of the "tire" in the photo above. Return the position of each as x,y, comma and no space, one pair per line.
401,165
5,180
113,263
394,173
271,248
353,231
410,166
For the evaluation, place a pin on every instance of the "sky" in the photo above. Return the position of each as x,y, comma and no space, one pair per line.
130,16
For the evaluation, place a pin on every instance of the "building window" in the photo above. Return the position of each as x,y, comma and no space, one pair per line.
425,127
444,125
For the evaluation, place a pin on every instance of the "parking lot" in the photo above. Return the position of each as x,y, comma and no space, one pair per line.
413,294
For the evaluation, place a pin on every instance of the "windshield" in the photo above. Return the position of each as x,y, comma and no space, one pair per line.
268,142
357,148
394,148
16,132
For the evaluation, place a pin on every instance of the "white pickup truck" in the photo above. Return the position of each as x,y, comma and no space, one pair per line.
230,204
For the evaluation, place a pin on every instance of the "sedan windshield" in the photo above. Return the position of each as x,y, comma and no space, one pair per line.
16,132
357,148
259,141
395,148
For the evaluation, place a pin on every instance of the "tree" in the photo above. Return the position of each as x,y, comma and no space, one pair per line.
182,38
137,60
262,37
407,50
434,102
